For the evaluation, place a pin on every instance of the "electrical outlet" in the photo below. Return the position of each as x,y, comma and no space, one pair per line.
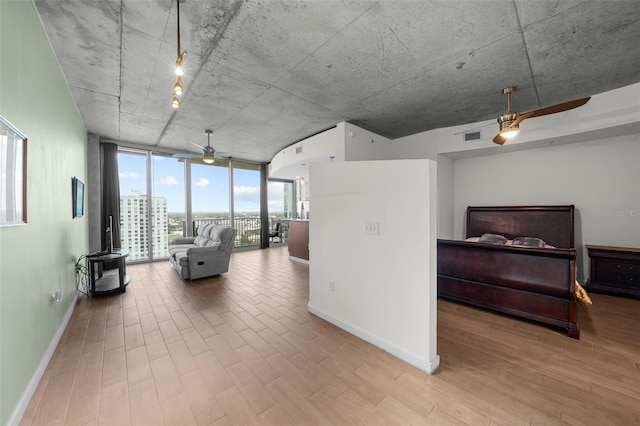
332,286
371,228
57,296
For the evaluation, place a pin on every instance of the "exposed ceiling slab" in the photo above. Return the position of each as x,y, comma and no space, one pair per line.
267,73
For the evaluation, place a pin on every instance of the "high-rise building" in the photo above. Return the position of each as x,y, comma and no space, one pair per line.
134,225
287,202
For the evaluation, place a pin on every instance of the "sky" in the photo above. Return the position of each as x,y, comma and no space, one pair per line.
210,185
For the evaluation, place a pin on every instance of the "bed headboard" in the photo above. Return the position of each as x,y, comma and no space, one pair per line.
553,224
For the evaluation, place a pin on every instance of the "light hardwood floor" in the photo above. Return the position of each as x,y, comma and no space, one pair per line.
241,349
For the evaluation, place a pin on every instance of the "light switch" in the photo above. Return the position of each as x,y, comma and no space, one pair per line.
371,228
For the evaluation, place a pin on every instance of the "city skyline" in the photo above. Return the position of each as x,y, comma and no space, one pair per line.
209,185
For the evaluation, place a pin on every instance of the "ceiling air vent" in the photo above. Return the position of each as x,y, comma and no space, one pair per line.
299,149
472,136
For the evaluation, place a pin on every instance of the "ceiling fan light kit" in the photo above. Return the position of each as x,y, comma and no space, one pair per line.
510,121
208,151
508,127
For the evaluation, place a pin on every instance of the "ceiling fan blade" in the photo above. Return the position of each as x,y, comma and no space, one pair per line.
543,111
186,155
515,125
199,146
208,149
499,139
521,118
565,106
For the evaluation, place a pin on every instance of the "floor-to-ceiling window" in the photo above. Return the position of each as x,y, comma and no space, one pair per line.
168,202
246,202
152,203
154,189
281,204
210,193
134,225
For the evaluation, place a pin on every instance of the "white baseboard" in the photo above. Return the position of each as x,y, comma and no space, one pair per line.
298,259
428,366
25,399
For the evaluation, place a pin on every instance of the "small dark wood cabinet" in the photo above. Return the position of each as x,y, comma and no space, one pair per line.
614,270
299,240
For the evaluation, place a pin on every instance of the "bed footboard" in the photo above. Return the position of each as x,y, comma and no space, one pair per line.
535,284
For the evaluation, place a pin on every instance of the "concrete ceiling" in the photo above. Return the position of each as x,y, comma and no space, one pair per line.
265,73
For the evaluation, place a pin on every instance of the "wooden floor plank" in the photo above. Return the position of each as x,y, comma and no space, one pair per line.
201,396
242,349
144,406
251,387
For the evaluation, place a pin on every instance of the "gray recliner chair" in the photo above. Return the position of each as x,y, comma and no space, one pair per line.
205,255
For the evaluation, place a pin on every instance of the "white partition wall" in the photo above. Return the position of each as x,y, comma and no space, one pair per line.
373,254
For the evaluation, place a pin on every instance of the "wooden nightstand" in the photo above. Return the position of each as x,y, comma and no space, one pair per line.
614,270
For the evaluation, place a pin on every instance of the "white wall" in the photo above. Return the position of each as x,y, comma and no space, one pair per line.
419,145
385,284
345,142
446,193
363,145
287,164
600,177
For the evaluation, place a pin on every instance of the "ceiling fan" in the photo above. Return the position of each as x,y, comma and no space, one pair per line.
209,155
510,120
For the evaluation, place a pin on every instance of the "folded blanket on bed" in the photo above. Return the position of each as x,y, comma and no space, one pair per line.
516,242
582,295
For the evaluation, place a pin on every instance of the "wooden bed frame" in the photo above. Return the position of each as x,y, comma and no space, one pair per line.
531,283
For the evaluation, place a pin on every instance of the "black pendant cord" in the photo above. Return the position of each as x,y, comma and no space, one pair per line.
178,9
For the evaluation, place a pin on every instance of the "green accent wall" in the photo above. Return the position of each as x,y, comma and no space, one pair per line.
38,258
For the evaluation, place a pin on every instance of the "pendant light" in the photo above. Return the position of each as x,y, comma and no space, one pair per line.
178,88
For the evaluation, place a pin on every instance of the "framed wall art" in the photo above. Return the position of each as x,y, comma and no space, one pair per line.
77,190
13,175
